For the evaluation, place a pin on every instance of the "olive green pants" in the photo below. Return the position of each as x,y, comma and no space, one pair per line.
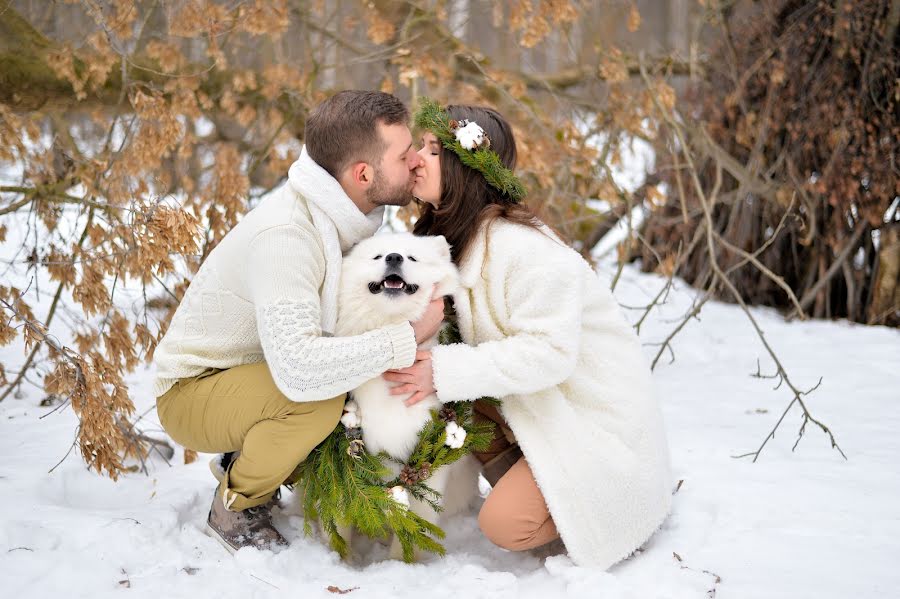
241,409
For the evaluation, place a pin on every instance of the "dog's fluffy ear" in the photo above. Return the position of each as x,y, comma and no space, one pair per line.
449,281
440,242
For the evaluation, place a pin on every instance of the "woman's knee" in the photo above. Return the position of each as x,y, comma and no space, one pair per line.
497,523
515,516
514,532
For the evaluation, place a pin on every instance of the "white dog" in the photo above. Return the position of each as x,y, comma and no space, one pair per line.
384,280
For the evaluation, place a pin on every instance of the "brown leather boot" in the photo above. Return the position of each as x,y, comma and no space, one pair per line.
251,527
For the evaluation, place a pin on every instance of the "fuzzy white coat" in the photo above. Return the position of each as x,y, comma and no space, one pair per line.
365,304
545,335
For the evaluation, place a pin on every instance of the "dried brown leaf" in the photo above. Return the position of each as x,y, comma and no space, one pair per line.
634,19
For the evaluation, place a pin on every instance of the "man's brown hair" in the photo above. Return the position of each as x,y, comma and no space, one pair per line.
343,129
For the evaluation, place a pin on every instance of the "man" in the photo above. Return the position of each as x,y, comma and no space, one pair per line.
248,364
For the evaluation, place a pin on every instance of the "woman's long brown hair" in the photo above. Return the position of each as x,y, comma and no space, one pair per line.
467,200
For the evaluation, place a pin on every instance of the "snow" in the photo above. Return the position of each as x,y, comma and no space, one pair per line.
795,524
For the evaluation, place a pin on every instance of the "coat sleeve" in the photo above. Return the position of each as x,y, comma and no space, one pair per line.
536,298
284,275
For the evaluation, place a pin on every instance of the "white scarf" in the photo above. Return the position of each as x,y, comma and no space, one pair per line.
339,222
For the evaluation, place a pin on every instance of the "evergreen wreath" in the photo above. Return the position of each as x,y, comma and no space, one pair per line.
468,141
342,484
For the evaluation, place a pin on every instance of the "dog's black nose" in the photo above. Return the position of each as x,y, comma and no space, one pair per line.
394,259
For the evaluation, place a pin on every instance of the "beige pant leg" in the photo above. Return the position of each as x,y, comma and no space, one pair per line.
515,516
241,409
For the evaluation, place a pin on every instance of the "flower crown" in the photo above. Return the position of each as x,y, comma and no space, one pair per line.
469,141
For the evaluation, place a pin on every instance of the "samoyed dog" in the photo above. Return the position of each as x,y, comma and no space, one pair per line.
387,279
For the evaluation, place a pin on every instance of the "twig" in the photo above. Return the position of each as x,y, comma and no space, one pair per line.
626,242
810,295
265,581
664,291
763,269
71,447
678,263
31,194
50,314
706,202
691,314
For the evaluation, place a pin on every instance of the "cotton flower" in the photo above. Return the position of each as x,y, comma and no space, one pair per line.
470,135
456,435
351,418
400,495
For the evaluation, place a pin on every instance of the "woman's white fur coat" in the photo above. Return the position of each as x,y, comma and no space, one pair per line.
544,334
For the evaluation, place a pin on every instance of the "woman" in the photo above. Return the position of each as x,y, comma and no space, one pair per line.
546,337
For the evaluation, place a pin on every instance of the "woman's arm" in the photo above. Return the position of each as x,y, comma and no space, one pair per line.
536,298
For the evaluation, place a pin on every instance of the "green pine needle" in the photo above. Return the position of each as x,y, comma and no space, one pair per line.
338,489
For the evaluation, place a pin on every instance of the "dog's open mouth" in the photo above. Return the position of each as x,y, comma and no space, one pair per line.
393,284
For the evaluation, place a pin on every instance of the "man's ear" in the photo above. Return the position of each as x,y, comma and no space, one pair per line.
362,174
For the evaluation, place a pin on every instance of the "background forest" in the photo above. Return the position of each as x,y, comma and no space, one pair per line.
730,167
134,135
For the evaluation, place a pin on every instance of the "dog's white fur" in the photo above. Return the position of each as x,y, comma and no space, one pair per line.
387,423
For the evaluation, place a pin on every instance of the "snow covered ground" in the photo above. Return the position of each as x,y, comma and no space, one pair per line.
802,524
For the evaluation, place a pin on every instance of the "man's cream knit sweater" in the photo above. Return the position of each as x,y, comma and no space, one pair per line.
265,292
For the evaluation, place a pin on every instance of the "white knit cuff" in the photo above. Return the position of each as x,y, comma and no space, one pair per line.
449,383
403,340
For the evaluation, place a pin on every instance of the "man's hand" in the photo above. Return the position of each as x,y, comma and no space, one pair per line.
430,323
418,379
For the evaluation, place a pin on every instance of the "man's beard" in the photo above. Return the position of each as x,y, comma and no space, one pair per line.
380,194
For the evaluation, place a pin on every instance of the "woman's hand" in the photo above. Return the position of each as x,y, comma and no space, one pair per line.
417,379
428,326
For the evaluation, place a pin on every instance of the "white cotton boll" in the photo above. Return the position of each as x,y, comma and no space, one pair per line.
400,495
459,440
470,135
350,419
456,435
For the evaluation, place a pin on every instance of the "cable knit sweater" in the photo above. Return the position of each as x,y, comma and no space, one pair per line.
268,291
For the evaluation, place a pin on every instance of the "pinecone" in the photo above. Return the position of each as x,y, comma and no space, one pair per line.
447,414
453,124
424,472
354,433
409,475
355,449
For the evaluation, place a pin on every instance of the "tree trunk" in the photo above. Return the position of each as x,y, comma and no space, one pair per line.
886,303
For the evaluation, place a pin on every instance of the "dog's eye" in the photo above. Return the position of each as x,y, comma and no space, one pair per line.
378,257
411,259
